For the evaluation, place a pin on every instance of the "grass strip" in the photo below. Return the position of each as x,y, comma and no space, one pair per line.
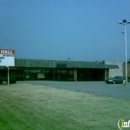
37,107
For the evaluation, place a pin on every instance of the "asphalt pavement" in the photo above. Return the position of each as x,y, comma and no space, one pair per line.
114,90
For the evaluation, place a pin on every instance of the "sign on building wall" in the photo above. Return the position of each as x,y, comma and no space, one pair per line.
7,57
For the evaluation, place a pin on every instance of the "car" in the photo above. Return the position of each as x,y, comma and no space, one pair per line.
116,79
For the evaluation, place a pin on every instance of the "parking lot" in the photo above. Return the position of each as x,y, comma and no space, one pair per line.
115,90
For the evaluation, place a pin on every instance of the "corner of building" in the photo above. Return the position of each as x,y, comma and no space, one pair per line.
117,71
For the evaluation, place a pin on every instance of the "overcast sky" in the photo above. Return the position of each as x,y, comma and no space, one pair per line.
85,30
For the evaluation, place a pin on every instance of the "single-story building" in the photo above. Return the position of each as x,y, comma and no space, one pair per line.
57,70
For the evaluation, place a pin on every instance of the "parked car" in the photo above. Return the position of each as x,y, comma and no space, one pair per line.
116,79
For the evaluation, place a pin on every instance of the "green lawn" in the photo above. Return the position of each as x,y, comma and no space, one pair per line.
36,107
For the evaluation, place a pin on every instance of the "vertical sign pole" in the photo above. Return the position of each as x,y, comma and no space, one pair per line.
125,56
8,75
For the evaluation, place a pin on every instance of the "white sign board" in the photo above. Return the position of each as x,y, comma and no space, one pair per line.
7,57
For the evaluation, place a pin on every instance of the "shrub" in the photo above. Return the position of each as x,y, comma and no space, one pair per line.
11,80
1,81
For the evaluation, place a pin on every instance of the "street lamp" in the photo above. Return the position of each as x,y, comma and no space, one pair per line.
125,22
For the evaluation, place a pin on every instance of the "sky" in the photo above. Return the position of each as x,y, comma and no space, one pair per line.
82,30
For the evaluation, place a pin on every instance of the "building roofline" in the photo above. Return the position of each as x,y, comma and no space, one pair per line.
62,64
